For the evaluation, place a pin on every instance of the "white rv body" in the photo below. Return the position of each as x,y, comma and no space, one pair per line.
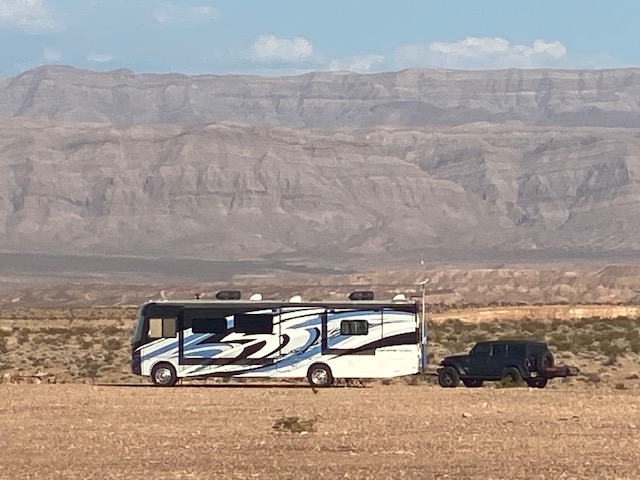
266,339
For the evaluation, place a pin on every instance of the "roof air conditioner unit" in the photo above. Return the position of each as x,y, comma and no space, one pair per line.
228,295
364,295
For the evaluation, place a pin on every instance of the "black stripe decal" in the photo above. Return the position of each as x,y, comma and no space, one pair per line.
410,338
285,341
251,349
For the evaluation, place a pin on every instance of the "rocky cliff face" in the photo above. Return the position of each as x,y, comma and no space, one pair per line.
330,100
230,191
395,165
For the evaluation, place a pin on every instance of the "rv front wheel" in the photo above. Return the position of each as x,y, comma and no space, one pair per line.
164,375
319,375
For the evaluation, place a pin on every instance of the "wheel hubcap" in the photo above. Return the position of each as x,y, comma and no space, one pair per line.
163,375
319,377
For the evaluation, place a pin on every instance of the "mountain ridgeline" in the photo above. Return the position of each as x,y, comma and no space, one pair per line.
324,168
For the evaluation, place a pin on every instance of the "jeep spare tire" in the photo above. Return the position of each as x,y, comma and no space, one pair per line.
544,361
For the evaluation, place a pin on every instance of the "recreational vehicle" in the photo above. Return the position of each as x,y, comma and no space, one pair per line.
359,338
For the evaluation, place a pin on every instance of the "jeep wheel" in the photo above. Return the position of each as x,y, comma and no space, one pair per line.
472,383
537,382
448,377
512,374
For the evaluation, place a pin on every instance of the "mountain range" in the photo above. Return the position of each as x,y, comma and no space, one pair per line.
332,170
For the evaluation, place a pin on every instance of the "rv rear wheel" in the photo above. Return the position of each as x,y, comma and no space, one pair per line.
164,375
319,375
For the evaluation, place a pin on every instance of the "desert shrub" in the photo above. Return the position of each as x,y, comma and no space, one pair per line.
612,349
561,342
84,330
458,326
89,368
112,344
593,378
294,425
112,330
64,331
35,361
23,335
3,345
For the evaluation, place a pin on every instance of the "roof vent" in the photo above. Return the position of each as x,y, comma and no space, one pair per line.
256,297
400,297
364,295
228,295
295,299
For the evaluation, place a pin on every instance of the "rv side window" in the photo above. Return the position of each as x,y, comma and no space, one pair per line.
162,327
209,325
354,327
253,324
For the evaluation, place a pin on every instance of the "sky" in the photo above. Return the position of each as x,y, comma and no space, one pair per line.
289,37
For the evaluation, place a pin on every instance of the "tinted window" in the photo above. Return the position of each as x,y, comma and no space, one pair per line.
254,324
516,351
481,349
354,327
499,350
209,325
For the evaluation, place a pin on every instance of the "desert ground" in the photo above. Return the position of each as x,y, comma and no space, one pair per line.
288,431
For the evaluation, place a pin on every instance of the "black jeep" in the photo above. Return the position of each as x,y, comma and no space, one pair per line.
517,360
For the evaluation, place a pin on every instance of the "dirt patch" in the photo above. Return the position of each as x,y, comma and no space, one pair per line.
398,431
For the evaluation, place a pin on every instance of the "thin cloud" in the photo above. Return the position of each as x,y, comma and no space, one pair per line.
51,55
482,52
100,58
359,64
479,53
175,14
270,47
29,16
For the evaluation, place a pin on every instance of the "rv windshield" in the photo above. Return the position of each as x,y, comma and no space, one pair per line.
137,335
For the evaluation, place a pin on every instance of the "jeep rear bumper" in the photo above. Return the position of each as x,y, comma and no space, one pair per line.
560,371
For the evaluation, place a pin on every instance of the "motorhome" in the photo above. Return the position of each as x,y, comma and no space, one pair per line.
323,341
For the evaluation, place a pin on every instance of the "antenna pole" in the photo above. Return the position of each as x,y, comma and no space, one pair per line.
423,331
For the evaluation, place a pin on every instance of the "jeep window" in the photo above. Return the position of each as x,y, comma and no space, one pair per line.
516,351
481,350
499,350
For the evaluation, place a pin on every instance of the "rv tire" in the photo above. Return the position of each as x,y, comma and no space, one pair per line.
319,375
164,375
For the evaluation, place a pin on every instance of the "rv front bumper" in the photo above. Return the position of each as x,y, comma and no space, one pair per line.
136,364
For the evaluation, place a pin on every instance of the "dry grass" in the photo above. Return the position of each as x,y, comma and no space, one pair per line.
394,432
92,345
